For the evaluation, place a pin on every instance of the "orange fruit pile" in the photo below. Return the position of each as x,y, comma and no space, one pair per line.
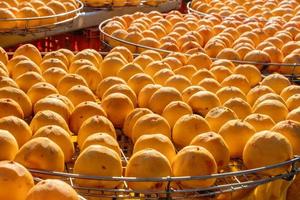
242,36
242,9
160,102
14,9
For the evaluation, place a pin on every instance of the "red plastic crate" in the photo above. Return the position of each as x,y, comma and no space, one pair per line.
75,41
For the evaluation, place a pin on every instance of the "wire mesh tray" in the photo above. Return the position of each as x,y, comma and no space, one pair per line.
25,29
232,178
104,36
